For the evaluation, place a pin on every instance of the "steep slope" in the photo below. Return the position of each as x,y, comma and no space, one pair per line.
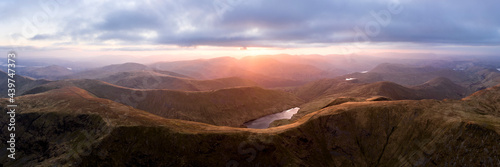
323,93
353,134
22,84
387,133
61,126
155,80
228,107
487,101
485,78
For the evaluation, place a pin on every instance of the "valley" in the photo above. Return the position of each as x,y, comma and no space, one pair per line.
349,134
351,119
260,83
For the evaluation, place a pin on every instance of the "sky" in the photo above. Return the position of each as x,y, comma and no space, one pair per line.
187,29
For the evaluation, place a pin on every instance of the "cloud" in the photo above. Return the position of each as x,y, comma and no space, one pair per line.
274,23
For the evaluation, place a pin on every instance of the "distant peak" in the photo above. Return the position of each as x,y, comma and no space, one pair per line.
440,81
132,63
125,65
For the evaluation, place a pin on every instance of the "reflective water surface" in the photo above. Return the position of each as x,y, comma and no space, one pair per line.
263,122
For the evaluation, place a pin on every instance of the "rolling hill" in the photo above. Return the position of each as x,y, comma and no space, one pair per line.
155,80
91,131
292,71
265,71
106,71
228,107
470,76
486,78
323,93
51,72
440,88
134,75
415,75
136,115
202,68
437,88
330,64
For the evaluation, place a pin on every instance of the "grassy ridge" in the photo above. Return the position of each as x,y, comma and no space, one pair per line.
228,107
155,80
382,133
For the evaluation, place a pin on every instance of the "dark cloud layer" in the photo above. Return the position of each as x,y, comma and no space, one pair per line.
284,23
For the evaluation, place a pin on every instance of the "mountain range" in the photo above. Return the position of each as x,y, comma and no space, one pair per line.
193,113
91,130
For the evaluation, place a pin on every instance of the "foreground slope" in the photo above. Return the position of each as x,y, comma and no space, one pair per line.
60,126
228,107
387,133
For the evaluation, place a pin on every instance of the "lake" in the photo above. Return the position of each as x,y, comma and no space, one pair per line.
264,122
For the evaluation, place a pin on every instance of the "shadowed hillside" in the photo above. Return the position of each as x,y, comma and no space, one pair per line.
229,107
486,78
22,83
440,88
472,77
323,93
415,75
382,133
437,88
